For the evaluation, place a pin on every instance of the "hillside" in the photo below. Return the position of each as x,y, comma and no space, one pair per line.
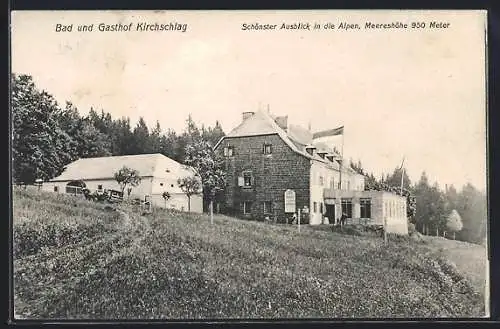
76,259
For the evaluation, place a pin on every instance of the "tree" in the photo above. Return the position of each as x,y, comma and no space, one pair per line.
430,205
127,177
155,139
40,147
472,205
141,138
212,135
210,166
454,222
190,185
123,137
90,142
395,179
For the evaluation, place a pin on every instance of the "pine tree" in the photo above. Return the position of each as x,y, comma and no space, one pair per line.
155,139
140,138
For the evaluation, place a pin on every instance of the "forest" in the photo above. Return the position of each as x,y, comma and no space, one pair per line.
47,136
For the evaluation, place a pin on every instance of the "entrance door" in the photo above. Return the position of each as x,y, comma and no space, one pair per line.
330,213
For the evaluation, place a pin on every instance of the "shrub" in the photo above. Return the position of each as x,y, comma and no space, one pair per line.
411,228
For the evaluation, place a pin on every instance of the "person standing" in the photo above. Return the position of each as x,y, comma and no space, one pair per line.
343,219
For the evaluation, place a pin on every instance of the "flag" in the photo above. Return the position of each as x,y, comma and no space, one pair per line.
330,132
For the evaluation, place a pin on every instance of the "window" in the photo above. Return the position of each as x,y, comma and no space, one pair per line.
99,187
365,207
75,187
332,183
321,207
228,151
171,185
268,149
315,206
321,180
161,184
247,207
347,207
267,205
56,189
247,179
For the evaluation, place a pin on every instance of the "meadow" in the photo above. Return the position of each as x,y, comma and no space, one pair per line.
75,259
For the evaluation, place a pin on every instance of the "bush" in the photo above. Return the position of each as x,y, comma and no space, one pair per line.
411,228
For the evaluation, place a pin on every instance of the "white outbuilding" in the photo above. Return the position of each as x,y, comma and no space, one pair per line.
158,174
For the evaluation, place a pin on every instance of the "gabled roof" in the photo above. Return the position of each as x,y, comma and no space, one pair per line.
148,165
296,137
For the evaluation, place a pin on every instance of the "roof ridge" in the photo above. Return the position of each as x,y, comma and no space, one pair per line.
123,156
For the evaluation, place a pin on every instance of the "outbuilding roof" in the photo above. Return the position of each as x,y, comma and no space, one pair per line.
148,165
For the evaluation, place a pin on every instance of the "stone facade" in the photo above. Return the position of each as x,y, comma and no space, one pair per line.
271,175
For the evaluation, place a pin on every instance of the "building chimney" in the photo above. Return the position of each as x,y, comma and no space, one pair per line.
282,122
247,115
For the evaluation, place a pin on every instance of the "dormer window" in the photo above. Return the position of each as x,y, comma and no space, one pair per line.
322,154
228,151
268,149
330,157
310,149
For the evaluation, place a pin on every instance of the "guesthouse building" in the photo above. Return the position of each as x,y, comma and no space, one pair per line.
274,169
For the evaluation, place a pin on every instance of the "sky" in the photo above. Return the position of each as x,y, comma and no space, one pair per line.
413,93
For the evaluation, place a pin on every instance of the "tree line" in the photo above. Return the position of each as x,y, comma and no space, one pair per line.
433,211
47,136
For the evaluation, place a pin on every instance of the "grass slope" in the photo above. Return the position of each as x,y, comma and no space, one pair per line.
73,259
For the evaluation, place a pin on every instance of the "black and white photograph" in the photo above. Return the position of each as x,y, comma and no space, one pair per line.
249,165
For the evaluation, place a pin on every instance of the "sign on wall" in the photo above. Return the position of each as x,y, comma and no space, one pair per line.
289,201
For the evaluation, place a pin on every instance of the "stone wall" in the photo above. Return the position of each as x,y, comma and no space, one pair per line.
272,174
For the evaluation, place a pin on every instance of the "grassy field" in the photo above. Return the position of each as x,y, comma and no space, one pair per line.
76,259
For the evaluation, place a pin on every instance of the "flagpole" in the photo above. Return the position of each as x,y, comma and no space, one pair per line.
402,174
341,157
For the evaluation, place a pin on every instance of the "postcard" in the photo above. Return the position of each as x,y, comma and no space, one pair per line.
249,165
